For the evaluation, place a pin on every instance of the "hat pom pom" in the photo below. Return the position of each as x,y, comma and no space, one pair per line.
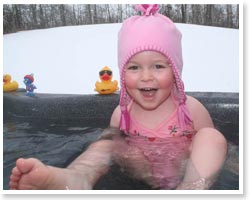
147,9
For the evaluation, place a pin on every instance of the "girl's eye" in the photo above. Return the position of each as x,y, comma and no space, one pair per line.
159,66
134,67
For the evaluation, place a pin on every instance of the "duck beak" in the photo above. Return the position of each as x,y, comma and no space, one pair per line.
105,77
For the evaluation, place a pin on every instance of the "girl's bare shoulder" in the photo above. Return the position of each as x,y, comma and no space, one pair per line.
115,118
199,113
193,102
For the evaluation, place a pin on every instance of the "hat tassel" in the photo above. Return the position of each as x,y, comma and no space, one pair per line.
184,116
124,122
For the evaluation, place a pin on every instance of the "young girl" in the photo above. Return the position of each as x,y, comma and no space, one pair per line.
168,139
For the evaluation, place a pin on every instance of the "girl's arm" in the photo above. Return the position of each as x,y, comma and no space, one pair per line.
207,151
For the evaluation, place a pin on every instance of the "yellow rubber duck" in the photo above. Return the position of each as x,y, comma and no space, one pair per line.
9,86
106,86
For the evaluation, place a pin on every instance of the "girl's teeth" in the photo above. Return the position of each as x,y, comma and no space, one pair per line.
148,92
148,89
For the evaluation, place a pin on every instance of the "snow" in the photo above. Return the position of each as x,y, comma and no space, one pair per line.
66,60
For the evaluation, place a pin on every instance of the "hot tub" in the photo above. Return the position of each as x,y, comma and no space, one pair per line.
57,128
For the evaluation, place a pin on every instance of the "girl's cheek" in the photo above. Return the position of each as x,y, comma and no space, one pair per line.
166,83
130,83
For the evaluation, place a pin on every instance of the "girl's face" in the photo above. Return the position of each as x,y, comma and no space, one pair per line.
149,79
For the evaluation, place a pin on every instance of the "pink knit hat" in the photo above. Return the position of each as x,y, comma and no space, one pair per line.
155,32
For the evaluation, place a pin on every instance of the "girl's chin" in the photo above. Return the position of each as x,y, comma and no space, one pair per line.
148,105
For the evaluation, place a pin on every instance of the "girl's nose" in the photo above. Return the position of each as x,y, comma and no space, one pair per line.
146,75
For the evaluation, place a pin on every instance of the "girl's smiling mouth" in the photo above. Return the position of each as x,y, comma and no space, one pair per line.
148,92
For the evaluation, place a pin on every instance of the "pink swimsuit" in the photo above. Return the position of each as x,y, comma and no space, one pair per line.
165,147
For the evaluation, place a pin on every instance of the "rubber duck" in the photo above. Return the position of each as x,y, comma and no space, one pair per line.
9,86
28,81
106,86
